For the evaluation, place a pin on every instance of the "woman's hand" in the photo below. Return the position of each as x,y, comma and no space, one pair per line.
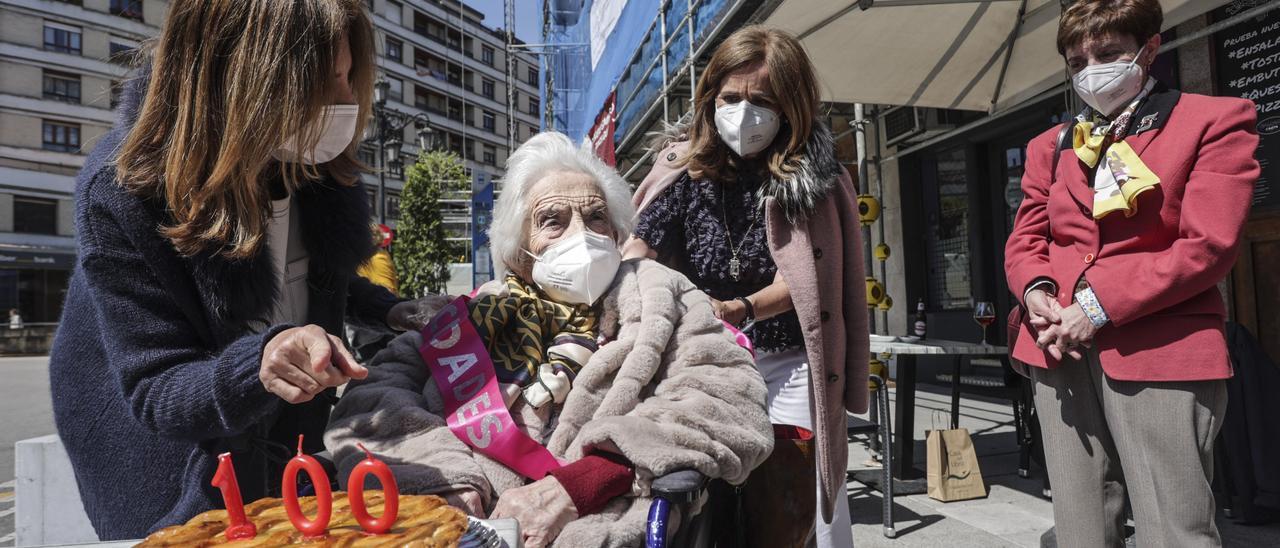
1072,331
412,315
730,311
300,362
543,508
1043,309
467,499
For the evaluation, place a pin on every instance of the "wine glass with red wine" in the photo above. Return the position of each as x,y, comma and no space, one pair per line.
984,313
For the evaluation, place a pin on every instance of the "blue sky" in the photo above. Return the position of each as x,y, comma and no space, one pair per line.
528,17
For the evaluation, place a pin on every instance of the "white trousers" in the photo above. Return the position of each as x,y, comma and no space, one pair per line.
786,374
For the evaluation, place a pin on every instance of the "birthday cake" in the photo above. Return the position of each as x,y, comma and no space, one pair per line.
423,521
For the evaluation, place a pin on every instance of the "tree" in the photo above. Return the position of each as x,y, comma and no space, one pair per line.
422,248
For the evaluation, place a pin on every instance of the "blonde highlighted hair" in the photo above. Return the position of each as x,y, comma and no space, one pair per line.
230,80
792,82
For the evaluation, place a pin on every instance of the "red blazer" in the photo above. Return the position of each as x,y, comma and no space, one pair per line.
1156,273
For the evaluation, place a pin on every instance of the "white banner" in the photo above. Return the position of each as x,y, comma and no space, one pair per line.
604,16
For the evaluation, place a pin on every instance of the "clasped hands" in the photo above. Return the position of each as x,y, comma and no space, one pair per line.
1060,331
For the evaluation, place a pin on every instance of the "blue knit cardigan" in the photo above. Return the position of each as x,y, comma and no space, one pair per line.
154,370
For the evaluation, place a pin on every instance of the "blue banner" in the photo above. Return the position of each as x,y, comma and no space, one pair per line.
481,215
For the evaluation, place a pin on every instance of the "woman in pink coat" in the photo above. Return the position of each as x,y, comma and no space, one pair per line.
750,204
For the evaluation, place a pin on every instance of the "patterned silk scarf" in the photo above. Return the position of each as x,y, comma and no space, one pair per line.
1122,176
524,331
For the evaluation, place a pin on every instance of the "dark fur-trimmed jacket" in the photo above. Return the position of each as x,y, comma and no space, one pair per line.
154,370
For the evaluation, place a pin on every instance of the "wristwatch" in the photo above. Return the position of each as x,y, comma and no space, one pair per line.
750,319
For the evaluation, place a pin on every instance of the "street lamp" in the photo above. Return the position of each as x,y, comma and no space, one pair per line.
386,131
426,137
380,92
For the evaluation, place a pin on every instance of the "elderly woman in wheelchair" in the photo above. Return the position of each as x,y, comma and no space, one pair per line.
559,392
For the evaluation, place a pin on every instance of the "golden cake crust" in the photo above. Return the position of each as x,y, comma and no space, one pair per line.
424,521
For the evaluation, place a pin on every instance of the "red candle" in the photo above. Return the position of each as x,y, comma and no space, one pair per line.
324,496
390,499
224,479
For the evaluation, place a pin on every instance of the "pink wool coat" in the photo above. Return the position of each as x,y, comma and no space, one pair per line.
820,257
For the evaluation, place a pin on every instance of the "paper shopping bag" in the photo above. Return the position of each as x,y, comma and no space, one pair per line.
952,464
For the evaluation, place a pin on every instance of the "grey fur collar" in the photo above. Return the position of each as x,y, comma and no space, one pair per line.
800,192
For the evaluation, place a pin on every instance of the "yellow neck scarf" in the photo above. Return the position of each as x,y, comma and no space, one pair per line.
1122,175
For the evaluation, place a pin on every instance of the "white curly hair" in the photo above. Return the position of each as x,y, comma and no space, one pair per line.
542,154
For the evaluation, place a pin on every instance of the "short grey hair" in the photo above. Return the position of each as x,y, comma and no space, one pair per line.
542,154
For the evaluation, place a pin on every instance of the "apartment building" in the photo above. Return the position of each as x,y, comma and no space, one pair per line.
60,67
439,58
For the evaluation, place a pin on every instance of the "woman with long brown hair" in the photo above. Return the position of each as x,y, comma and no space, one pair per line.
749,202
220,226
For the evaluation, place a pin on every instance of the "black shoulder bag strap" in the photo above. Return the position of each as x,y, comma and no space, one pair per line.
1018,315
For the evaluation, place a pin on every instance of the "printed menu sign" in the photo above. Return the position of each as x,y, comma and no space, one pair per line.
1248,66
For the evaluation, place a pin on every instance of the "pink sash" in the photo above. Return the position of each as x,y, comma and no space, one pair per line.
740,338
473,404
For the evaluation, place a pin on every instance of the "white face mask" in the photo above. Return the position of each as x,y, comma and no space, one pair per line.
1109,86
578,269
746,128
339,127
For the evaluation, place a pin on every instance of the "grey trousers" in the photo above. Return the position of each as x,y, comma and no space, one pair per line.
1152,441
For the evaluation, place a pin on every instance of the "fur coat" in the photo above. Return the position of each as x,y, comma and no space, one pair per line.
671,391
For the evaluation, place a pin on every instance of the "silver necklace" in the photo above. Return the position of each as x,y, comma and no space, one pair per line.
735,266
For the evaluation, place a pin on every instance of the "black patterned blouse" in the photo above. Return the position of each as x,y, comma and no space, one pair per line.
686,224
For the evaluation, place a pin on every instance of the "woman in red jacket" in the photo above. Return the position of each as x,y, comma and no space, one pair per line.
1117,254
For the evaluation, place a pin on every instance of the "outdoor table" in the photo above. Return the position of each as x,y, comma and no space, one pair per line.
908,477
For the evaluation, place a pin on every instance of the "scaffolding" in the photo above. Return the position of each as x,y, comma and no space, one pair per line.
652,86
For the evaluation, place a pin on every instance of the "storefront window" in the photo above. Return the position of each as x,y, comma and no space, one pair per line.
1014,161
37,294
949,247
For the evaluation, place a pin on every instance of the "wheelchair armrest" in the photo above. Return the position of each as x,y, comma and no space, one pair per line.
679,487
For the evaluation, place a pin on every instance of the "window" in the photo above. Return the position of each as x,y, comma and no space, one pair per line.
371,194
393,205
61,86
393,11
131,9
122,50
490,121
948,240
35,215
395,89
394,48
490,155
533,105
486,88
63,38
533,76
421,100
486,55
61,136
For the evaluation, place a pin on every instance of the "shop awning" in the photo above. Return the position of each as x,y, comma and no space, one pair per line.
959,54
